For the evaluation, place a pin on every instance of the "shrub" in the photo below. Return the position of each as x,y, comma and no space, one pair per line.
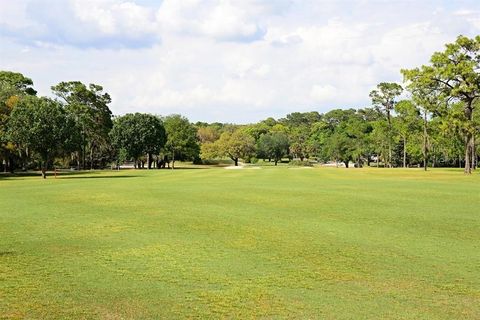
300,163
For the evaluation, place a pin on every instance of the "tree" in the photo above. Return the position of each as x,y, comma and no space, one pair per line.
406,123
182,140
18,82
383,98
233,144
273,145
342,135
42,126
13,86
89,108
299,125
207,134
139,134
454,73
299,141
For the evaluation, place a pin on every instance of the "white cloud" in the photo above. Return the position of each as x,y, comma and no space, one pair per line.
325,93
113,17
220,20
236,61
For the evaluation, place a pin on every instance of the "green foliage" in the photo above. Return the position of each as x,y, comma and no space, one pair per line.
13,86
452,75
138,134
93,118
383,99
42,126
236,145
207,134
407,124
273,146
182,140
17,81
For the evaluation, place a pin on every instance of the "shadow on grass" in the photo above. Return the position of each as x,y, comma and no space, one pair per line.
185,168
94,177
7,253
27,174
62,175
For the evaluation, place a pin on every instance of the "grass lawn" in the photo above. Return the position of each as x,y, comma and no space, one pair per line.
213,243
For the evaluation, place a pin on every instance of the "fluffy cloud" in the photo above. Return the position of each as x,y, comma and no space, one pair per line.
236,61
126,24
223,20
82,24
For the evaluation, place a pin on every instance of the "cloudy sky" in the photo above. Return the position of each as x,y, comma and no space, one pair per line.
230,61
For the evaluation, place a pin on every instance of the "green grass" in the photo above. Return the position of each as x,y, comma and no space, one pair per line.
213,243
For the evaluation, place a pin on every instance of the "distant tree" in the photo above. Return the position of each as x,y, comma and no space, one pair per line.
13,86
207,134
296,119
257,130
269,122
299,125
42,126
273,145
454,74
182,140
233,144
89,108
17,81
383,98
406,123
139,134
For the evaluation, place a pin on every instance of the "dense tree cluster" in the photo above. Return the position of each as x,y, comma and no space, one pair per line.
430,123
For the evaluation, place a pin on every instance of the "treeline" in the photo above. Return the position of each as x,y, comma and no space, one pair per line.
428,122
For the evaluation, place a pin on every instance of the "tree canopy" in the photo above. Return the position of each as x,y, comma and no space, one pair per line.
42,126
139,134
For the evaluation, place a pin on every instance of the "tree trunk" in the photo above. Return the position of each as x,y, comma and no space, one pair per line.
425,137
149,161
467,169
236,162
173,159
404,151
91,158
474,162
434,158
346,163
389,139
44,168
276,161
11,164
469,140
83,156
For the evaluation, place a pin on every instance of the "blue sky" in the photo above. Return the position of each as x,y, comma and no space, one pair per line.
230,61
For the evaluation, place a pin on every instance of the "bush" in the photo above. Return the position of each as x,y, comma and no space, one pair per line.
300,163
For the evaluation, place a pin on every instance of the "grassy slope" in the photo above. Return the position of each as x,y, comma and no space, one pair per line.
275,242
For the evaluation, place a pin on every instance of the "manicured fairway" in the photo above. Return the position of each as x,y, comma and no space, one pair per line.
214,243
